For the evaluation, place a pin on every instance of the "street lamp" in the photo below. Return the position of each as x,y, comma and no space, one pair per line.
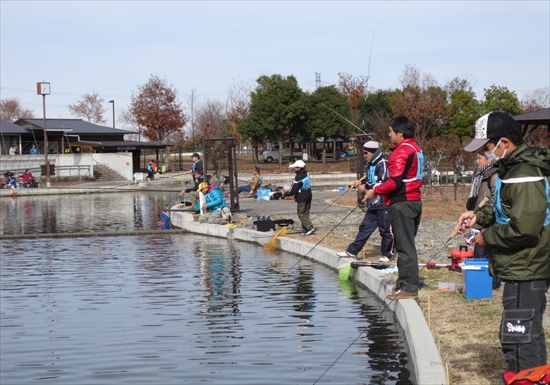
43,88
112,101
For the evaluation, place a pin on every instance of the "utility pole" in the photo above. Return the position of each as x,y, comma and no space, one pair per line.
43,88
112,101
317,80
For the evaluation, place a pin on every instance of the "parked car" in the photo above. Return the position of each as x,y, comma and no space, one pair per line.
272,153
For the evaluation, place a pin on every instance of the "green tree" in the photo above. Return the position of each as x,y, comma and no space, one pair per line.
327,108
464,110
376,112
277,110
500,99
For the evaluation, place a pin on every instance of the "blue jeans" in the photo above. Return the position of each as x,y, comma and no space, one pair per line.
405,219
372,220
243,189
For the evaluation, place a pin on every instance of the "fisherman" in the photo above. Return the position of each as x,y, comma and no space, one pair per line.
254,184
402,193
197,170
301,189
518,233
215,204
377,211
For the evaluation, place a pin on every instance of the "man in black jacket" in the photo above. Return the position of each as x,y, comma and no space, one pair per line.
301,189
377,211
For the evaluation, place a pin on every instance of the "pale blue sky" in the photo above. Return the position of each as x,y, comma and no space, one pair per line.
111,47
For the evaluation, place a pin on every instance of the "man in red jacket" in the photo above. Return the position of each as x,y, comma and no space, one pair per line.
403,198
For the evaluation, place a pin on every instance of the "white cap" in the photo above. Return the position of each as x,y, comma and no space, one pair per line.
299,163
371,144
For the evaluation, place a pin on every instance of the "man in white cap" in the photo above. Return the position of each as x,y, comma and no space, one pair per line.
517,229
377,211
301,189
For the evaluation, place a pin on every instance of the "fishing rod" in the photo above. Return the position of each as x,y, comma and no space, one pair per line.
306,254
453,234
347,120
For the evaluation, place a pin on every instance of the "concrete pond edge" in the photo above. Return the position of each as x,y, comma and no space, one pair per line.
426,359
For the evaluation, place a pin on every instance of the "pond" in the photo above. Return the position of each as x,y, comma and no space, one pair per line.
180,308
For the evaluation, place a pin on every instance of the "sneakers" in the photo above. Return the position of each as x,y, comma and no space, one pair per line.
401,295
308,232
384,259
346,254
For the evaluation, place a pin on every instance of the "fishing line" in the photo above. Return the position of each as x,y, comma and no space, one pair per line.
453,234
305,255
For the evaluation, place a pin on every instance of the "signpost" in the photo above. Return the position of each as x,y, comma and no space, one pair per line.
43,88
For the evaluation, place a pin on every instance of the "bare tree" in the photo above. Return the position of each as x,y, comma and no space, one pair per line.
127,119
11,110
89,107
239,108
535,100
211,119
422,101
212,122
355,88
192,105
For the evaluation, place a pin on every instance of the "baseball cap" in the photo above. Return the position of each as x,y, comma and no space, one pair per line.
492,125
202,185
298,163
371,145
195,155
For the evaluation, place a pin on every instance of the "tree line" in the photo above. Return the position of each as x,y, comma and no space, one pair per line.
276,109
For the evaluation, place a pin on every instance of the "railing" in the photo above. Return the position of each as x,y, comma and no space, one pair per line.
101,165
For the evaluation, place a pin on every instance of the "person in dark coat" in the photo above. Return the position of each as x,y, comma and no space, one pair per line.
377,211
301,189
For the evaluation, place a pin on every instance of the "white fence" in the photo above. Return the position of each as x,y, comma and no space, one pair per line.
68,165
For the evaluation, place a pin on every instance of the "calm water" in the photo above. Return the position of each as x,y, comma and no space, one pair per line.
73,213
173,309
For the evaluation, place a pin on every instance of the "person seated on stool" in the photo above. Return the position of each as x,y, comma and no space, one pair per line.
10,179
28,180
214,206
254,184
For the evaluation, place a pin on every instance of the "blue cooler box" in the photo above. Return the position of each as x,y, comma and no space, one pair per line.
477,283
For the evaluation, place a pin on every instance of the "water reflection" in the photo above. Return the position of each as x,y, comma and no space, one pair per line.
175,309
73,213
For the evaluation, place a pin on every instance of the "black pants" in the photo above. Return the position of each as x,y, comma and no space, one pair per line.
197,184
372,220
405,219
303,214
521,331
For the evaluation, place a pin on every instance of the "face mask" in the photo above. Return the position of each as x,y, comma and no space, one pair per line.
493,158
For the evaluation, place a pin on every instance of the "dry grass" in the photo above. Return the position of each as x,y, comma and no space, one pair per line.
466,331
